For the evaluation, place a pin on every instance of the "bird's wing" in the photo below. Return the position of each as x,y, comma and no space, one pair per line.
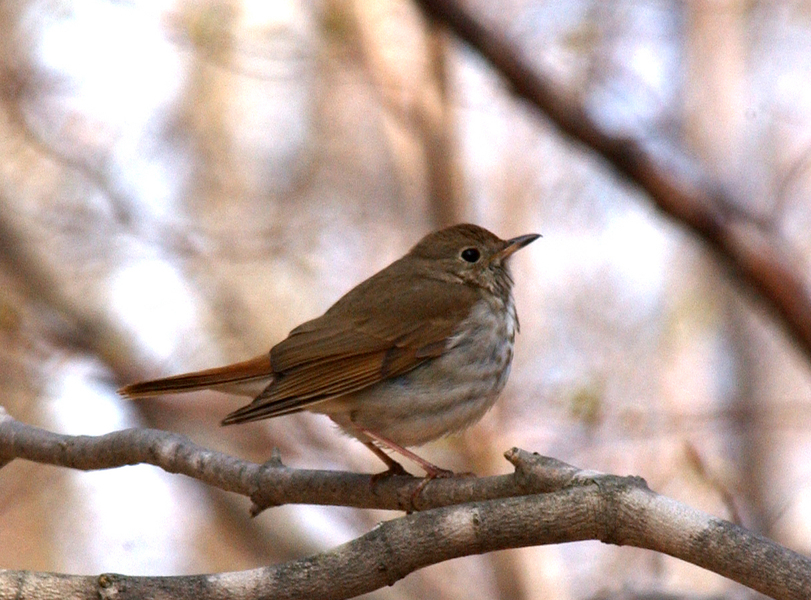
344,351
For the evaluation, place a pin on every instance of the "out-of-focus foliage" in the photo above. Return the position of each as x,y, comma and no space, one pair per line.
181,184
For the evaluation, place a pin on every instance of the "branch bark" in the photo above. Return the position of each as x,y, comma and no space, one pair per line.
543,502
267,485
676,184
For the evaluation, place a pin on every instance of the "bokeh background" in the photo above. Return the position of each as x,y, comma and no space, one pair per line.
182,183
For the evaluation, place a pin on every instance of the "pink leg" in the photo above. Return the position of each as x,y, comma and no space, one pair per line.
395,468
431,469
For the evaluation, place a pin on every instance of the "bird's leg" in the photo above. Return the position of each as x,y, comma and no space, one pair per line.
431,470
394,468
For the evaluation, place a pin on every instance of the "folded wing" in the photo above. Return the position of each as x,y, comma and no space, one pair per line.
345,350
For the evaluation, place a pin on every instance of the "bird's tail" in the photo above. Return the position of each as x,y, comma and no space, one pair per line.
243,378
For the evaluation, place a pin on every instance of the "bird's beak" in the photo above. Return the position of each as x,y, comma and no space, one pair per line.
514,245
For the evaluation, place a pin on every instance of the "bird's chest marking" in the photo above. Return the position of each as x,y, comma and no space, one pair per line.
485,339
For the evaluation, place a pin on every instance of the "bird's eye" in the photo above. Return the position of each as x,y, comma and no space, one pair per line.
471,255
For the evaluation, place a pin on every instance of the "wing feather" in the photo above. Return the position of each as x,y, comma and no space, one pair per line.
345,350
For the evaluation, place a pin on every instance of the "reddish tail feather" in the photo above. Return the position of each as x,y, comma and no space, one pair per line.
238,373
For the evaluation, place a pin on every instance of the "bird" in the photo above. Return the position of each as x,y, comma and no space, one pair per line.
419,350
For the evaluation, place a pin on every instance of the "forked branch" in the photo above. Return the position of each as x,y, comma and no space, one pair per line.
543,502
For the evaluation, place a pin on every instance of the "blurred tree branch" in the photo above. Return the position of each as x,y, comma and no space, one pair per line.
676,183
544,502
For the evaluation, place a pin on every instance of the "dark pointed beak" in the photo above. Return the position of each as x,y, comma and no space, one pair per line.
515,244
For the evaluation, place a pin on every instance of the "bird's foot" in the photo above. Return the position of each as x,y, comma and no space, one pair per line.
395,469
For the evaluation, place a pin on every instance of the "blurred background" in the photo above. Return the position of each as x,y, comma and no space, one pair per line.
182,183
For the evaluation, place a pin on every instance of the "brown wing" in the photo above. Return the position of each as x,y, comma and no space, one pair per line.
363,339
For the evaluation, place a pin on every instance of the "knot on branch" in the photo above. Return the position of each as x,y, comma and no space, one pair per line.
537,474
263,496
612,511
109,585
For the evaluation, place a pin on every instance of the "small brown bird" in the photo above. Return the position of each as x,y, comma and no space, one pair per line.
417,351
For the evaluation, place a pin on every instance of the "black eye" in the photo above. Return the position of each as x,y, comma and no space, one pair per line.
471,255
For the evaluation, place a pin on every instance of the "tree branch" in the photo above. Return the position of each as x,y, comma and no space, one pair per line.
676,184
270,484
573,505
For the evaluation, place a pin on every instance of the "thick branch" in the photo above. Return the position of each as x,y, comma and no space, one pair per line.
578,505
677,185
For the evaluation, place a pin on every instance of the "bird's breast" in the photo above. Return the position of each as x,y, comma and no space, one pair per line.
483,343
